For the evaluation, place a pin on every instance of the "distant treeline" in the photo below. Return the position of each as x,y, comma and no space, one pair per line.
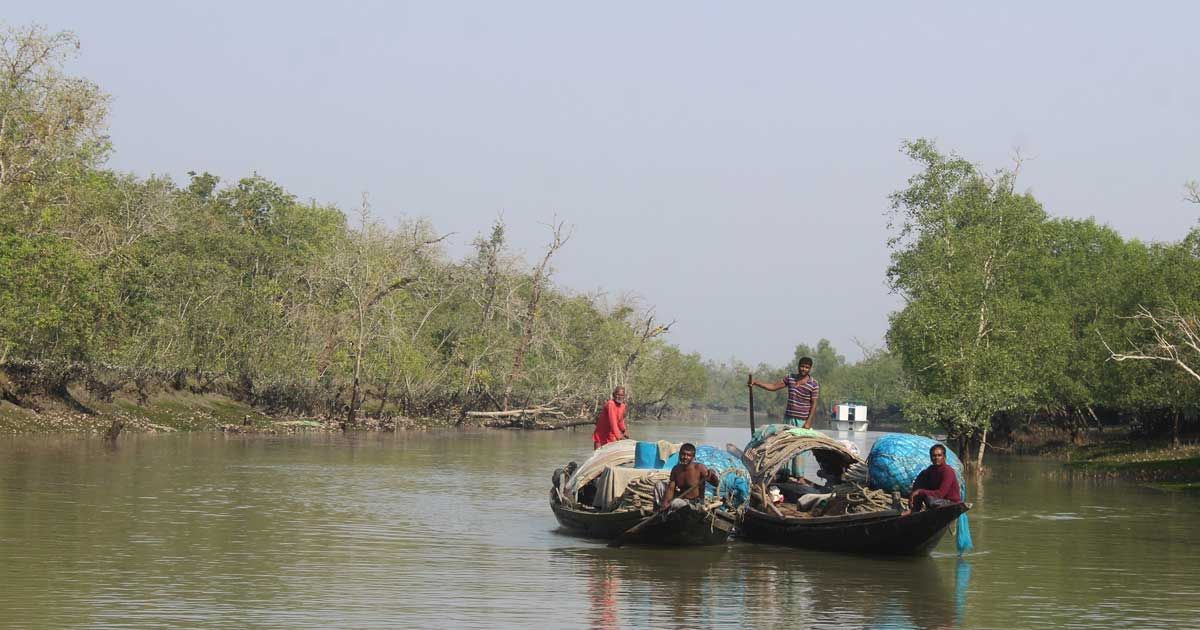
114,281
876,381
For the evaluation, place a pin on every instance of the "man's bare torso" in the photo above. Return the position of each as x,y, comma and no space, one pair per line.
689,479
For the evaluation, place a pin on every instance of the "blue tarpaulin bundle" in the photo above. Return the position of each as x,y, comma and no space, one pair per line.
895,461
735,477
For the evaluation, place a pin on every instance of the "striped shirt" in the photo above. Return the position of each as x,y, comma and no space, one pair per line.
801,396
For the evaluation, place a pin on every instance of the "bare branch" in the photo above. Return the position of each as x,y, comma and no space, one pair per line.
1192,192
1176,340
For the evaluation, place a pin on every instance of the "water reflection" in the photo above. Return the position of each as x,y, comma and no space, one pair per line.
684,587
962,582
604,587
744,583
871,592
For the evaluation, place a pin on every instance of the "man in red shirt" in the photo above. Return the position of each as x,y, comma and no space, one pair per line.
610,424
936,485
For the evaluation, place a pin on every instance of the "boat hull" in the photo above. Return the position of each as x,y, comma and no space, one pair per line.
883,532
687,526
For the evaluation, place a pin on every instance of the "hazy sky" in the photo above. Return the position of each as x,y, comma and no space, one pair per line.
729,163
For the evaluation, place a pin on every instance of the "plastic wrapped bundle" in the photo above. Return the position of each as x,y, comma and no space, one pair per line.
770,430
735,477
897,458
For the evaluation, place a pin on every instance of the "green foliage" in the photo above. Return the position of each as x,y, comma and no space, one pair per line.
54,124
283,303
980,331
53,302
1006,309
666,378
280,302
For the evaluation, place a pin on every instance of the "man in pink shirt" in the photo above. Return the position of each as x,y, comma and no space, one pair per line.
610,424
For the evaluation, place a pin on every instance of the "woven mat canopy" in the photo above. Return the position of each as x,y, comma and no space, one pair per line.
619,453
774,445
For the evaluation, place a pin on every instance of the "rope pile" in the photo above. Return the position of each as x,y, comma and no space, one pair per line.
863,499
639,494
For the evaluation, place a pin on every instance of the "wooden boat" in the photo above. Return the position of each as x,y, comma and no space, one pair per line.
883,532
872,528
612,464
686,526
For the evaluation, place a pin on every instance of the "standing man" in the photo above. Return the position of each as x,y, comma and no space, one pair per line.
802,394
802,401
610,424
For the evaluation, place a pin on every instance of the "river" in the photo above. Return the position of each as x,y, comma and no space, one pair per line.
452,529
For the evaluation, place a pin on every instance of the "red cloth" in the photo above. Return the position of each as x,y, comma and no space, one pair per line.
936,482
610,424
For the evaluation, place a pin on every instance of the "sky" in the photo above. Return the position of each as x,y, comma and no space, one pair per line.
728,164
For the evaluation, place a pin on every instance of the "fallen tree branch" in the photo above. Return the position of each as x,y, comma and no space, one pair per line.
533,411
535,424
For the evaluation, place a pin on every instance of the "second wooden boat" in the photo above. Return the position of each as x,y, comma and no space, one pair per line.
605,497
858,520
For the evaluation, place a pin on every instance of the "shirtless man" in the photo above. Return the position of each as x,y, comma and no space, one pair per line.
687,479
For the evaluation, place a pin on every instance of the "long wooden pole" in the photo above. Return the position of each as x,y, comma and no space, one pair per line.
750,385
658,514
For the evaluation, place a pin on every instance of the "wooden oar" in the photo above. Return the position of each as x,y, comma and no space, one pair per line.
750,385
658,514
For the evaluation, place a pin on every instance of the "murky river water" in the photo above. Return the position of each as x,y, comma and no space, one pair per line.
452,529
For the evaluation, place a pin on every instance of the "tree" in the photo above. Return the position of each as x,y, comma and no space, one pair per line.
366,268
477,336
877,380
664,378
976,333
52,126
826,360
529,322
53,302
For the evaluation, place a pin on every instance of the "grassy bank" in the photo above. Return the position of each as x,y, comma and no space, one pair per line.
1116,453
1166,467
